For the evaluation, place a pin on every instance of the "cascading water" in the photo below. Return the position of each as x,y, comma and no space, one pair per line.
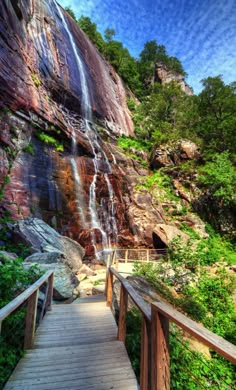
80,202
110,222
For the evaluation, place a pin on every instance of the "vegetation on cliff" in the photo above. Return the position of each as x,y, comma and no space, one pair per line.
136,73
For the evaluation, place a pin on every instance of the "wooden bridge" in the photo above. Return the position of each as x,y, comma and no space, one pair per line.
79,346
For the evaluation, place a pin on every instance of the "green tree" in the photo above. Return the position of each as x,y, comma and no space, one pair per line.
219,178
217,111
166,114
150,55
70,12
90,30
109,33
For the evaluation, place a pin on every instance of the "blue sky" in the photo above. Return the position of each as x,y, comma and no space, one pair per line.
201,33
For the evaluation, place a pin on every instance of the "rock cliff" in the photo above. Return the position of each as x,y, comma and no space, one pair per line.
61,107
165,76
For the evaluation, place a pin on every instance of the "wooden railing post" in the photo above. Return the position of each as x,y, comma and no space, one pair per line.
30,320
108,263
50,293
113,257
122,314
147,255
126,256
145,355
160,359
109,287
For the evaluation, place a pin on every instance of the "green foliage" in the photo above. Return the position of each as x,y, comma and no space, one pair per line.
153,53
128,143
90,30
165,115
14,279
131,104
219,178
190,369
159,184
133,338
48,139
70,11
209,300
29,149
217,111
215,293
109,34
36,80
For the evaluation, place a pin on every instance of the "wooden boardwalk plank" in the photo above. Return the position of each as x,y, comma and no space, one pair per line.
76,347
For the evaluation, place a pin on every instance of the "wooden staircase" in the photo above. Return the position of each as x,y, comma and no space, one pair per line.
75,347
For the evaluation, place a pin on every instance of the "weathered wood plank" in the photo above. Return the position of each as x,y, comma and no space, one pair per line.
66,349
92,384
103,376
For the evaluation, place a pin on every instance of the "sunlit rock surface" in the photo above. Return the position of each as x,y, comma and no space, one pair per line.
38,72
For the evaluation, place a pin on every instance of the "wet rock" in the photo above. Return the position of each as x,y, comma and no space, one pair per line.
34,58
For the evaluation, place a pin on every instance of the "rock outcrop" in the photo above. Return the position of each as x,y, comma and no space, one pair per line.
47,157
164,75
171,155
40,237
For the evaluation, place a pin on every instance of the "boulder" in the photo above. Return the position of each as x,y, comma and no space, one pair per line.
43,238
170,155
65,280
86,271
99,289
189,150
164,234
160,158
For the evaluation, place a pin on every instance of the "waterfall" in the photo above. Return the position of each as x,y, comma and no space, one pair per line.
80,202
98,153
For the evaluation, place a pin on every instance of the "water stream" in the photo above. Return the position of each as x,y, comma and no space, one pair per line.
99,154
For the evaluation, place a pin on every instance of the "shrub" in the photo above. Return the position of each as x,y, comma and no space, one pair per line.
36,80
14,279
48,139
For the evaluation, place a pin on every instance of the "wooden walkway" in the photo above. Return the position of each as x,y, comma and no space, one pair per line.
75,347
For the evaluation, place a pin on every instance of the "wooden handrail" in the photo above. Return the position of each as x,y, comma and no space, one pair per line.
20,299
31,297
143,306
212,340
155,359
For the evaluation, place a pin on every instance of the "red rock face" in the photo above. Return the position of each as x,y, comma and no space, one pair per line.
38,71
41,87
